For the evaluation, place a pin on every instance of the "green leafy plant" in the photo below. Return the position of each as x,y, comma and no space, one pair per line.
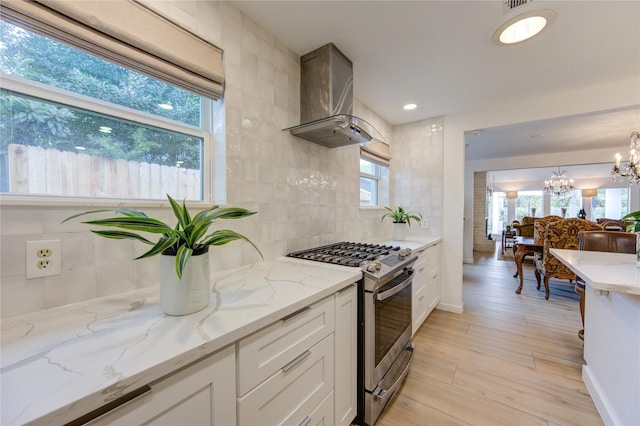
189,235
400,215
635,217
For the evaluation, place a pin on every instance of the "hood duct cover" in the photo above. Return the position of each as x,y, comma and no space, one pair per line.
326,101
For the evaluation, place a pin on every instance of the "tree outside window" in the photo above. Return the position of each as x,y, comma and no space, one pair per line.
77,109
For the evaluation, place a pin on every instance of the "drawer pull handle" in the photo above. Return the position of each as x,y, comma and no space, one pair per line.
296,313
305,421
296,361
110,406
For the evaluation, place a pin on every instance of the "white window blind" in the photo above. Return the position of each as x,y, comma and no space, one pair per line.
377,151
129,34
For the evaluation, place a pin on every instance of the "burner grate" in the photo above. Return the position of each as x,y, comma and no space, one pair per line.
345,253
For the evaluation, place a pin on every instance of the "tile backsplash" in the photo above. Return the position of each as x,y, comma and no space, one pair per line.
306,194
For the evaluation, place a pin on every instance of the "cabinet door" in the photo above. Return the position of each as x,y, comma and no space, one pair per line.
201,394
433,290
346,356
419,300
433,277
293,393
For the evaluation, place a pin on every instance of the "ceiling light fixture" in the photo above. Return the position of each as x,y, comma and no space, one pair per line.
631,171
524,26
166,106
558,184
104,129
409,107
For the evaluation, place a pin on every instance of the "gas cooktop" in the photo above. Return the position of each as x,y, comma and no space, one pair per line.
345,253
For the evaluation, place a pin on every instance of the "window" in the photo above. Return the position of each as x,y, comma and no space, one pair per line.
529,203
76,125
498,210
611,203
569,203
374,183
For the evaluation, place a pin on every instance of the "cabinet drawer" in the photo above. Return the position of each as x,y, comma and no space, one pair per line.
420,276
289,397
322,415
268,350
202,393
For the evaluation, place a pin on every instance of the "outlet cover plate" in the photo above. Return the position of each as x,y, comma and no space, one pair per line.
43,258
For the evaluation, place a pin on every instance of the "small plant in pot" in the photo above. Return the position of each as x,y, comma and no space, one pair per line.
184,262
401,221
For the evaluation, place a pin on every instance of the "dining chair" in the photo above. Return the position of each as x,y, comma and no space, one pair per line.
611,241
561,234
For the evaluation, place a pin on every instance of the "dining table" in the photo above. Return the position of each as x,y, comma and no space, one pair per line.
521,247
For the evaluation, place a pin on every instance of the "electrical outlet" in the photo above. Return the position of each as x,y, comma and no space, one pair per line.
43,258
424,224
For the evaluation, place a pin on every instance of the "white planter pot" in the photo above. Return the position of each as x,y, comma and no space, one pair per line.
399,231
191,293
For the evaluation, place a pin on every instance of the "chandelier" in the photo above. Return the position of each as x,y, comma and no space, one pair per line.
630,171
558,184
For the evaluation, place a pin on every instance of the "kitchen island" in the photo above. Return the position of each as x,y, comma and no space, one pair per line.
62,363
611,331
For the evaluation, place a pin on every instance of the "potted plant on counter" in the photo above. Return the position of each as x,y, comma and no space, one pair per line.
184,260
401,221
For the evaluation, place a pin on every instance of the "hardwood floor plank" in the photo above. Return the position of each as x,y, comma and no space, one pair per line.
537,402
508,359
405,411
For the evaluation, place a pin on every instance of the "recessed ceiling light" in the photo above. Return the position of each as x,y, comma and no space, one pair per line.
524,26
80,148
166,106
409,107
105,129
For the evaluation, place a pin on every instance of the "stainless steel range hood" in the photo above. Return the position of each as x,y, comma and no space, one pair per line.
326,101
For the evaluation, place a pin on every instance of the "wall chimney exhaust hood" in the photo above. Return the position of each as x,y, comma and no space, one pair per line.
326,101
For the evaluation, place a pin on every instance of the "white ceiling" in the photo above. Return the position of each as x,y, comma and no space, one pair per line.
440,55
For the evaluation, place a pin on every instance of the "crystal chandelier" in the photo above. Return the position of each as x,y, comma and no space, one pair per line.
630,171
558,184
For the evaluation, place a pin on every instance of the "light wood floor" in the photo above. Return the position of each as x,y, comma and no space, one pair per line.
507,360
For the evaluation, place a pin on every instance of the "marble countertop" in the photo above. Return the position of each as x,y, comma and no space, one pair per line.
603,270
415,243
61,363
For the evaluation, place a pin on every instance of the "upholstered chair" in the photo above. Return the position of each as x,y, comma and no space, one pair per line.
539,227
614,224
527,220
524,230
561,234
612,241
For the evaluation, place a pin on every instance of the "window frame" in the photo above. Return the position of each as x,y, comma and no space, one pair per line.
377,178
205,131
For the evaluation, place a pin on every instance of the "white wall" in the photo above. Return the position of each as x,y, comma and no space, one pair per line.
306,194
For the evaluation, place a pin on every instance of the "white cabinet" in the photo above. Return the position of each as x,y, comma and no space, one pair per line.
426,285
419,291
286,370
346,356
293,392
200,394
263,353
301,369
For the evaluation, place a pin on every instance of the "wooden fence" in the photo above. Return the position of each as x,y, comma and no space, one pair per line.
35,170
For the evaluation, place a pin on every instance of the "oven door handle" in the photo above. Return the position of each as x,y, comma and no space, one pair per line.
395,290
379,393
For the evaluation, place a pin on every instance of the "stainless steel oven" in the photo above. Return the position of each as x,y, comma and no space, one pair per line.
385,350
388,350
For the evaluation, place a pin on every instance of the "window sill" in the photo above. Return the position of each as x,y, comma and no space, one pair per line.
72,202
